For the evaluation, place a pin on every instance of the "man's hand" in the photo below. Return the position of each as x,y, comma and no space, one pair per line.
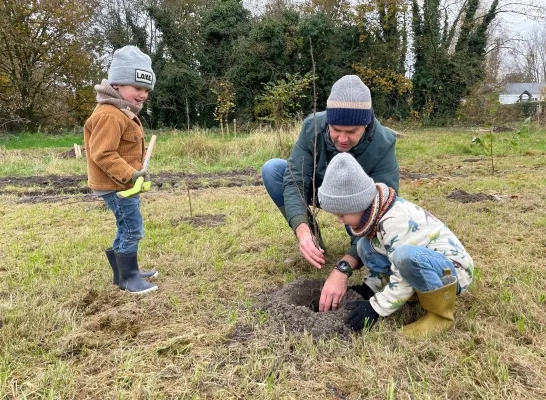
333,291
361,315
137,174
308,249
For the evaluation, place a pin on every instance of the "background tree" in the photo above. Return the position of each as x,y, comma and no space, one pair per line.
280,102
383,32
449,54
224,103
48,59
270,51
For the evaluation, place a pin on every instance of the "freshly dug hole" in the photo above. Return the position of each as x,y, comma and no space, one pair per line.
295,306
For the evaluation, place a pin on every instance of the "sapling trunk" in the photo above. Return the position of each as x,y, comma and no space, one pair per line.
314,208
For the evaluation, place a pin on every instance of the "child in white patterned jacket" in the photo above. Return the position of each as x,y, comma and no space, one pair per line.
420,253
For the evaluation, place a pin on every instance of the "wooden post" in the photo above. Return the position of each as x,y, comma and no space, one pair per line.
234,127
222,127
227,126
77,151
187,113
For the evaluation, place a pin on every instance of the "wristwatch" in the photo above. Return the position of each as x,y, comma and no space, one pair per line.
345,267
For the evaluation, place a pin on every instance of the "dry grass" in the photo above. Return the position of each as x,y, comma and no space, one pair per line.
66,333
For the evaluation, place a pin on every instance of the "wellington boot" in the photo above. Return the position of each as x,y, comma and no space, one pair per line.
129,276
112,260
110,255
439,306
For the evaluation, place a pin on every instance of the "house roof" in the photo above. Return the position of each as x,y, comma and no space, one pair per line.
519,88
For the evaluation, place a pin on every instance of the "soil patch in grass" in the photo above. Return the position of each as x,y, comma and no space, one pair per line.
465,197
296,305
52,188
207,221
413,176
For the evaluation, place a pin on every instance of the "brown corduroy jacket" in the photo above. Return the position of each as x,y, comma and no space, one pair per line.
114,146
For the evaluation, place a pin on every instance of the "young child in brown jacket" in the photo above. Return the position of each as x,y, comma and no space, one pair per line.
114,145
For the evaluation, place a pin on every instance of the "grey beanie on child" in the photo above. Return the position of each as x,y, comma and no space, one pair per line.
346,188
130,66
350,103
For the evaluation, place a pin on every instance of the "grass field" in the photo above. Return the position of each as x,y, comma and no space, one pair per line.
67,333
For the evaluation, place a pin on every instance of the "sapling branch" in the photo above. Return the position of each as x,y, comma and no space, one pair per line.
314,208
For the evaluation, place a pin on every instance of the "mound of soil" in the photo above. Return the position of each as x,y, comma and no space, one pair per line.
465,197
295,306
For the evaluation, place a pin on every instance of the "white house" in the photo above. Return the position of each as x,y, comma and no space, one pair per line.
519,92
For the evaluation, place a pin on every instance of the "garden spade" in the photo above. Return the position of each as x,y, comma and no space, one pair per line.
140,186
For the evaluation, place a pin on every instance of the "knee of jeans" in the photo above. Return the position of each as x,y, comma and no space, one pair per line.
400,258
361,250
273,166
136,235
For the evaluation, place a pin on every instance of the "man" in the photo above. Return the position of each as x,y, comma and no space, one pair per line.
347,125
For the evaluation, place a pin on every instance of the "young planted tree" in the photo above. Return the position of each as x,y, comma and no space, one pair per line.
493,145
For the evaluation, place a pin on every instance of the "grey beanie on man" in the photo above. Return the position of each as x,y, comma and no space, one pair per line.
346,188
350,103
130,66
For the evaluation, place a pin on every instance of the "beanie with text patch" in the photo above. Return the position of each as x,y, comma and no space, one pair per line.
346,188
350,103
130,66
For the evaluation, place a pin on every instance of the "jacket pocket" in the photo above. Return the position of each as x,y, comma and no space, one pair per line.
130,148
132,135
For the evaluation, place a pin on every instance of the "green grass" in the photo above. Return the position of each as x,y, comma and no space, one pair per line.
194,152
32,140
66,333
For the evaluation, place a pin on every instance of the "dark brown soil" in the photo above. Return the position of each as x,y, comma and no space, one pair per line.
295,307
464,197
52,188
210,221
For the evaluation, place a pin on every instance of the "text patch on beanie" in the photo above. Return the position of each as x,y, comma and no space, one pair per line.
143,77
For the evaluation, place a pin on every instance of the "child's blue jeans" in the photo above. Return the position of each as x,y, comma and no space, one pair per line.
128,221
421,267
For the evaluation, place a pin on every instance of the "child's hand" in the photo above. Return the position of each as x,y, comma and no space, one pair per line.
361,314
137,174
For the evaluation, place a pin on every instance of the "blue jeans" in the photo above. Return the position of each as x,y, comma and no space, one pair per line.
422,267
128,221
376,262
272,176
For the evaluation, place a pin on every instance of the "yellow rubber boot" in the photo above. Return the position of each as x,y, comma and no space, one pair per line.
439,306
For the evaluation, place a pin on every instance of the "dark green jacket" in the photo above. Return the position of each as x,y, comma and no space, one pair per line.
375,152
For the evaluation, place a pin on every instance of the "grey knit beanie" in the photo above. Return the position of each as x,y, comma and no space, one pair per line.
130,66
350,103
346,188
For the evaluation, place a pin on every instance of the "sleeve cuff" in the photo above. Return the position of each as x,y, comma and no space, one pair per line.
354,253
298,220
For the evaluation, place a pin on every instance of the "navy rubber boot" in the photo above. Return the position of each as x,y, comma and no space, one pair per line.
129,276
112,260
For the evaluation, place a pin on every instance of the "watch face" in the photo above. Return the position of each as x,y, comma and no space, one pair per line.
344,267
